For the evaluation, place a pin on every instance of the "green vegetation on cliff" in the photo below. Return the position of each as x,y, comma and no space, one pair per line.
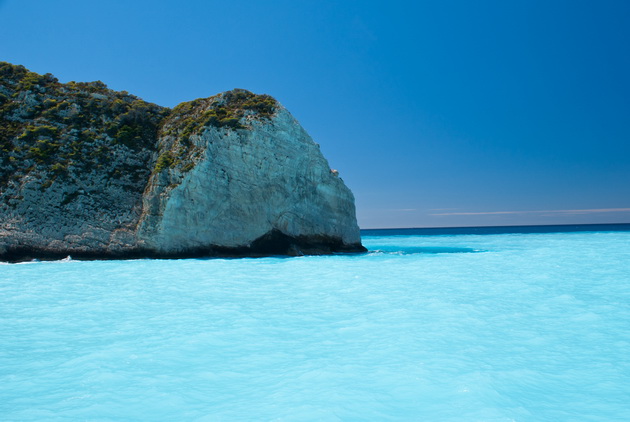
50,130
53,131
229,110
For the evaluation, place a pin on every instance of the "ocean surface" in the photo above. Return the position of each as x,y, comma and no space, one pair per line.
445,325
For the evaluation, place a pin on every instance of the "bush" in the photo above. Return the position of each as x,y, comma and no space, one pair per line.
164,161
36,132
43,150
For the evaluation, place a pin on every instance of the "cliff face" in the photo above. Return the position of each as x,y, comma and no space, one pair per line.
94,173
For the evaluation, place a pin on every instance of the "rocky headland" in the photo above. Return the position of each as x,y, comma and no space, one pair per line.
94,173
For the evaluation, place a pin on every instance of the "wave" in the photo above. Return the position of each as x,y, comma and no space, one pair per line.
414,250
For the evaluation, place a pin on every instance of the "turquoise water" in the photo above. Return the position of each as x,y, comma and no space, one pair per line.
504,327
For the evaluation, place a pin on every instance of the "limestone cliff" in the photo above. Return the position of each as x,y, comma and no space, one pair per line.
93,173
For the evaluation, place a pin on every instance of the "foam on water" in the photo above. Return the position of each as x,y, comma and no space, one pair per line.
512,327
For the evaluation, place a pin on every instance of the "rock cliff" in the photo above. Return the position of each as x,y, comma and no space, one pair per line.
94,173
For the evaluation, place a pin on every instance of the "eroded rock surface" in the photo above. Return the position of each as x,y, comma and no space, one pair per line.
94,173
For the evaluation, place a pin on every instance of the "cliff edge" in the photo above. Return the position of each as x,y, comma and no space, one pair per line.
94,173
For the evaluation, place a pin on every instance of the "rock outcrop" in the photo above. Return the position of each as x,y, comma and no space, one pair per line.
93,173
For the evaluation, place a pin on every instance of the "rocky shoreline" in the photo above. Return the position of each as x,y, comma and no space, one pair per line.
271,244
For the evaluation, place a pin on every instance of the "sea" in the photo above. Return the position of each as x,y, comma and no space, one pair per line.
463,324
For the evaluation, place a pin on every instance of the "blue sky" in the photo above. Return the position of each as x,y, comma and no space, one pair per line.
436,113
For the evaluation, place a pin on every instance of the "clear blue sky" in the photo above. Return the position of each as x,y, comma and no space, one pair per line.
436,113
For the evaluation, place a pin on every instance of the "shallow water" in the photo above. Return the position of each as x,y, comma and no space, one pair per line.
509,327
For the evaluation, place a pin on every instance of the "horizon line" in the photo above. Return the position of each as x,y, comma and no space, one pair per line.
484,227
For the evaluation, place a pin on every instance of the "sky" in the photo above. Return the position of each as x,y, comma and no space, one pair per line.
440,113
